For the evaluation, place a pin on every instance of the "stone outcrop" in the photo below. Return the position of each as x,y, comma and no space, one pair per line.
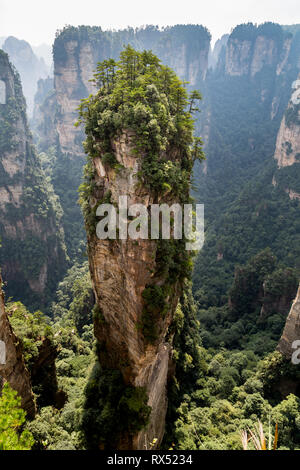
265,53
287,151
238,55
14,370
214,54
43,121
291,330
293,195
120,272
279,302
32,252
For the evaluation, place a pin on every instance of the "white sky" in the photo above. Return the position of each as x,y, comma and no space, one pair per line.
37,20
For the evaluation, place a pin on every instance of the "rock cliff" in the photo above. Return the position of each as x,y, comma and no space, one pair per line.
32,252
29,66
121,271
250,49
291,330
287,151
43,121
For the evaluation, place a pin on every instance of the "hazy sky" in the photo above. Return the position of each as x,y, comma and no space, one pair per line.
37,20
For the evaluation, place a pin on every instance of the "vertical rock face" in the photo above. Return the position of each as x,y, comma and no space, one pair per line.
43,120
250,49
120,271
71,83
287,151
30,67
14,370
238,55
291,330
217,50
32,252
265,53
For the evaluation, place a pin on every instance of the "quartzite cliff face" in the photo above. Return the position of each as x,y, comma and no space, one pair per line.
287,152
32,252
249,56
288,140
120,271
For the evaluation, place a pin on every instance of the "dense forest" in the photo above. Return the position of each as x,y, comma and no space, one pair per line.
115,335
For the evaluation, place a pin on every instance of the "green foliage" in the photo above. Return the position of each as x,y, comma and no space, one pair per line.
249,32
12,417
259,300
60,428
133,405
30,328
111,408
109,159
232,396
244,32
82,303
244,211
75,298
155,306
66,177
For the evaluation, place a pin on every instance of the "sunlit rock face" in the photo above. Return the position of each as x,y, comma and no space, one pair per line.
120,272
287,151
